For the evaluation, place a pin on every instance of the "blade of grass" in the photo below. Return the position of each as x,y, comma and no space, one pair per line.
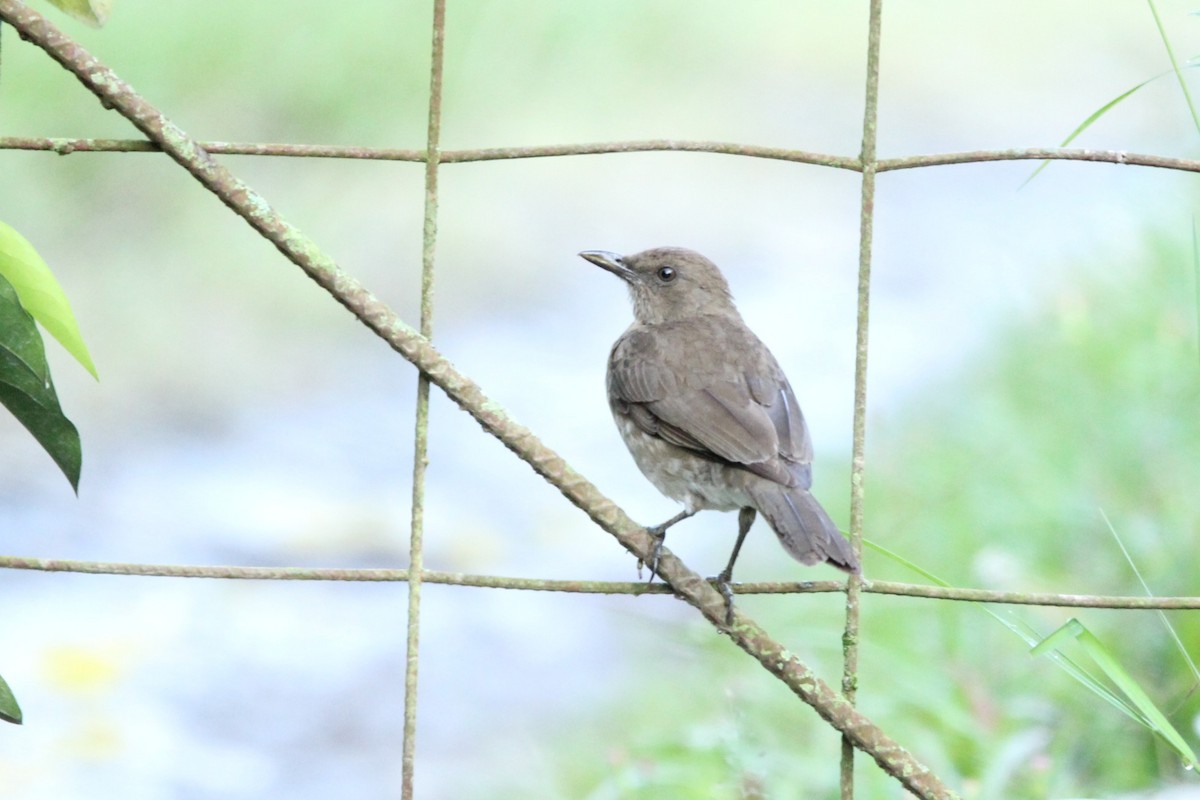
1104,109
1027,634
1161,614
1069,630
1147,712
1196,282
1068,665
1087,123
1162,32
1135,704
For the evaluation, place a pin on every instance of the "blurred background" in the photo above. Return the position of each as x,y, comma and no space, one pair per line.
1034,366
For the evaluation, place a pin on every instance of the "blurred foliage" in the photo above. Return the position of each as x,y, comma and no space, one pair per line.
89,12
10,711
993,477
1090,404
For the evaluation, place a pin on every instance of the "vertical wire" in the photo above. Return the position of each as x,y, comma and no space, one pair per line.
858,463
421,438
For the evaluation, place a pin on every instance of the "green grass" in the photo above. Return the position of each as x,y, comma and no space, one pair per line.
1090,405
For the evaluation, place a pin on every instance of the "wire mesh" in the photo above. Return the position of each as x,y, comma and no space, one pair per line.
415,345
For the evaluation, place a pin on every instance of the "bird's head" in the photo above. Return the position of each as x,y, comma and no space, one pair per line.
668,283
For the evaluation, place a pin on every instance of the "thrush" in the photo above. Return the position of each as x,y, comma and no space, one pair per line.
707,412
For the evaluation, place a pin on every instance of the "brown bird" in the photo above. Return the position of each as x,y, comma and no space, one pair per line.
707,412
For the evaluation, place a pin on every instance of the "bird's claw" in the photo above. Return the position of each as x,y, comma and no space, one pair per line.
724,586
659,535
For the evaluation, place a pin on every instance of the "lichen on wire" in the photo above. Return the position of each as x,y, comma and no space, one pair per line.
868,166
421,418
67,146
377,575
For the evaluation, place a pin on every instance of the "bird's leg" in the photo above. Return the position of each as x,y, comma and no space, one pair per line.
659,534
745,520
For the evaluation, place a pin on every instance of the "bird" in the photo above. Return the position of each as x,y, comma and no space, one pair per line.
707,412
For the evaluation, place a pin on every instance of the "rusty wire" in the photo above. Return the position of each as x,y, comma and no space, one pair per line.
869,166
416,547
379,575
67,146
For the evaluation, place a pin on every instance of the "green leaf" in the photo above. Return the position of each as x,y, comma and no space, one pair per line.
9,710
40,293
26,389
92,12
1147,712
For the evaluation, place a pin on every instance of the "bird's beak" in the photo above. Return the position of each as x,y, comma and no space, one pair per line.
609,261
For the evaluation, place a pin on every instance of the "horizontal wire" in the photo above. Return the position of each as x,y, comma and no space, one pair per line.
66,146
588,586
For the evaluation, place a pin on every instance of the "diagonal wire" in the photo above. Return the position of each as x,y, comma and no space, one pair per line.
421,437
858,459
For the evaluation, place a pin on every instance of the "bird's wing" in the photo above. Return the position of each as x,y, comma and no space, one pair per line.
748,417
723,417
775,395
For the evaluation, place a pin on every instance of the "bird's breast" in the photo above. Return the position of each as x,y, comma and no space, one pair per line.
681,474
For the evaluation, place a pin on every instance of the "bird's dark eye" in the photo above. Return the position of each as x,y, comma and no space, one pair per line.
666,274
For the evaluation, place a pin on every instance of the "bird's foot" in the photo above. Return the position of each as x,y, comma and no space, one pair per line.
724,585
659,534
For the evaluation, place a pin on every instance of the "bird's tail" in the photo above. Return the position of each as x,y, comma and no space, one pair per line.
803,527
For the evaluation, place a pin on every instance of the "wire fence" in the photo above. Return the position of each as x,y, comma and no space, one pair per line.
414,344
